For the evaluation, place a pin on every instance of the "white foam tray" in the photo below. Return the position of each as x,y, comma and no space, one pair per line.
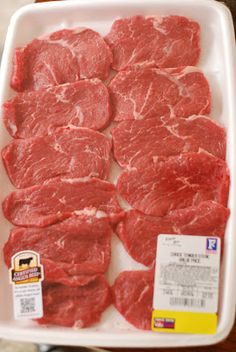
218,63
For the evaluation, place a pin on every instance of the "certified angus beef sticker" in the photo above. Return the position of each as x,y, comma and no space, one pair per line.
26,275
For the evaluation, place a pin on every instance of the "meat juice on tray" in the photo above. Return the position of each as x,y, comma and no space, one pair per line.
65,207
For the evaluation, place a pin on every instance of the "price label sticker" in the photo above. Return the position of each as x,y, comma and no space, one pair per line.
186,284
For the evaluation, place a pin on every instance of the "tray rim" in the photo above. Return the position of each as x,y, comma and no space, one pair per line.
136,338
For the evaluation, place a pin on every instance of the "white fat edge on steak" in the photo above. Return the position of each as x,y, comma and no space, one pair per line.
78,179
174,76
12,127
63,42
79,113
123,203
91,212
196,117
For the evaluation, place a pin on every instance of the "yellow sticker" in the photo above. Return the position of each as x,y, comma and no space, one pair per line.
184,322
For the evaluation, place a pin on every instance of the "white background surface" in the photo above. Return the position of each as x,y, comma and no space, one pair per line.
7,8
218,64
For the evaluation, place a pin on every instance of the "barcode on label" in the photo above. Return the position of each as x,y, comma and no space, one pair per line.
27,305
187,302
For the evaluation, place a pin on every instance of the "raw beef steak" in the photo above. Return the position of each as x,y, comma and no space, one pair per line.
43,205
175,182
81,104
142,92
132,295
75,152
78,245
139,232
79,306
140,141
169,41
63,56
54,274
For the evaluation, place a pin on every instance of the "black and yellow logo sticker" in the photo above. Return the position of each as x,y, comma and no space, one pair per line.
26,268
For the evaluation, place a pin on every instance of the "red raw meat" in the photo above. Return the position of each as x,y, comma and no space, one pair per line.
81,104
63,56
132,295
142,92
75,152
175,182
43,205
78,245
79,306
54,274
138,232
169,41
140,141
